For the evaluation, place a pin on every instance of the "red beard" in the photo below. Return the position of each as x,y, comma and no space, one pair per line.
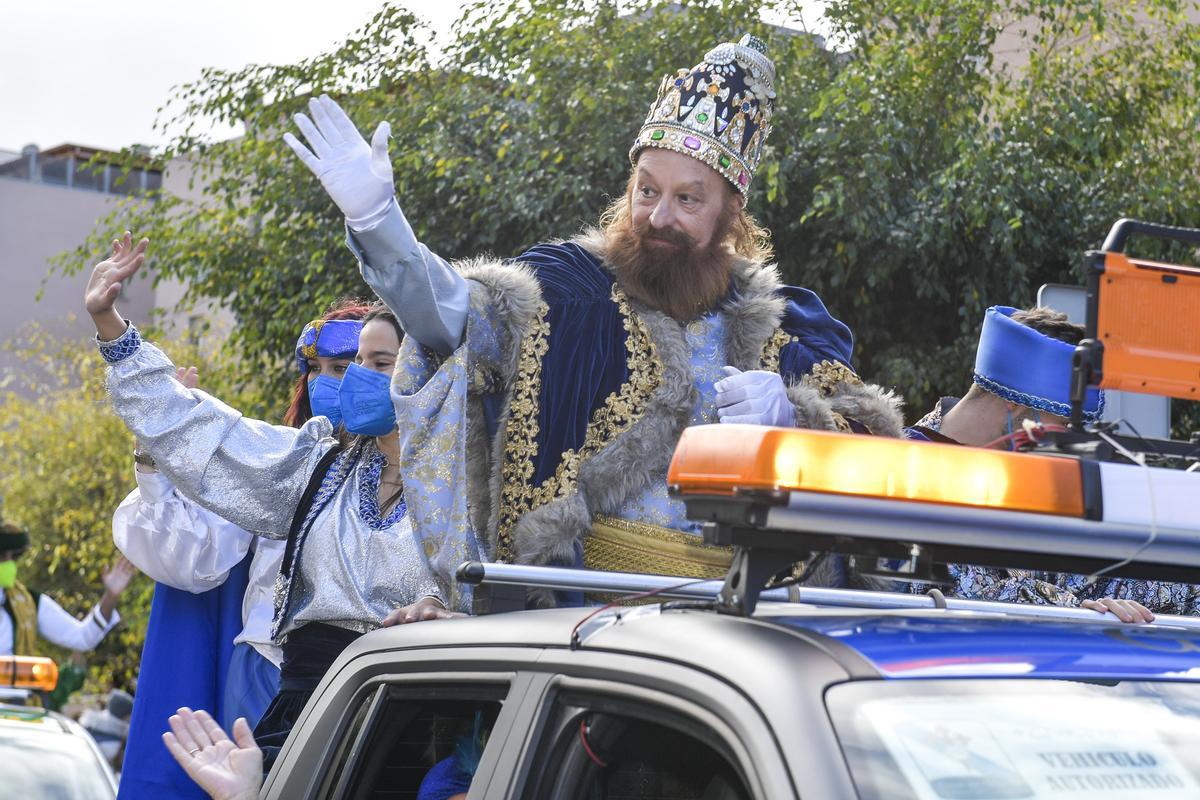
664,270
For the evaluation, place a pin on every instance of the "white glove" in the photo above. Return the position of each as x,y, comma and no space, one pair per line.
357,176
757,397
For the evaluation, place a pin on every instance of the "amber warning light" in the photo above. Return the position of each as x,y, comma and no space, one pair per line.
28,672
726,459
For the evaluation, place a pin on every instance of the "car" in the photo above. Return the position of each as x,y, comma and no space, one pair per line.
48,756
728,691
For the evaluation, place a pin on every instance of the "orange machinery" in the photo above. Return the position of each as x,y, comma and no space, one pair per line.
1143,321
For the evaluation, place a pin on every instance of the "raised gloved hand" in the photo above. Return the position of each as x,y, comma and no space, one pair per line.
756,397
357,176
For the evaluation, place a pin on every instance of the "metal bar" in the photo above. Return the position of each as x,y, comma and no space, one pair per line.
476,572
983,529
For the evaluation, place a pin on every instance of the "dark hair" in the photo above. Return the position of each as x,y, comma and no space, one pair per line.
380,311
300,410
1049,322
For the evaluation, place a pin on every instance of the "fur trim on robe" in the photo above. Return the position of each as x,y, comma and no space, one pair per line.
625,466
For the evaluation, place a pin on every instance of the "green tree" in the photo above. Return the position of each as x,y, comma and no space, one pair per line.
911,180
68,465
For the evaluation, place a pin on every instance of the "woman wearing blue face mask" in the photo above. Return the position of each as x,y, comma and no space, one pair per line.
208,643
352,561
324,349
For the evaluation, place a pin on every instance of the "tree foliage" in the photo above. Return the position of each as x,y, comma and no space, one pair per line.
68,464
913,178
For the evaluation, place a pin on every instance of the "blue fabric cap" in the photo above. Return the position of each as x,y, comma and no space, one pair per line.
1019,364
331,338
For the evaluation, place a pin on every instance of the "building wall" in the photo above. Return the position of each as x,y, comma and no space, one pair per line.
37,222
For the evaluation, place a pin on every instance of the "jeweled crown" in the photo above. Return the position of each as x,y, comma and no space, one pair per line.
719,111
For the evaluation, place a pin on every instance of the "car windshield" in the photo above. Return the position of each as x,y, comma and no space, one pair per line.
1001,739
50,766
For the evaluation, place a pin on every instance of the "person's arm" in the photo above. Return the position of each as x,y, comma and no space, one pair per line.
57,626
245,471
175,541
428,297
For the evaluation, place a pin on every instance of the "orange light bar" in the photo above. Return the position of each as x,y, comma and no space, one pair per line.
722,459
28,672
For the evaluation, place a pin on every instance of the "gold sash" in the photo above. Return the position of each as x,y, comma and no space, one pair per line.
24,611
620,545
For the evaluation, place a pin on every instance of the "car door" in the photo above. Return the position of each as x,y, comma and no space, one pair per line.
625,727
390,722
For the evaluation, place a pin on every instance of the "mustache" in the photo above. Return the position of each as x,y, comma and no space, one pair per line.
678,238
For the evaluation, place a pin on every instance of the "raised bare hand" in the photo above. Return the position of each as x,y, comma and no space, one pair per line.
105,284
188,376
226,769
117,578
110,275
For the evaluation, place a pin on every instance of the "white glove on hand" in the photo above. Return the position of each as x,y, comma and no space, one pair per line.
757,397
357,176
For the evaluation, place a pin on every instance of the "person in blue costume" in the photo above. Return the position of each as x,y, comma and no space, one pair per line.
208,641
560,380
1022,376
1022,372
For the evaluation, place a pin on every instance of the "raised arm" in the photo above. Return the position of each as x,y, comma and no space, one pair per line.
428,297
57,626
244,470
172,539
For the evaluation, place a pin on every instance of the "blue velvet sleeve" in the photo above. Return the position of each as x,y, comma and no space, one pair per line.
818,336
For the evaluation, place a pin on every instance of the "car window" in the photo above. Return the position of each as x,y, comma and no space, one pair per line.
604,749
413,743
49,766
994,739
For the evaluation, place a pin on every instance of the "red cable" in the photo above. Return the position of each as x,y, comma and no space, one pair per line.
587,748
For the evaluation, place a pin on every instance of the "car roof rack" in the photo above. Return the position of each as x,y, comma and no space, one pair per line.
479,573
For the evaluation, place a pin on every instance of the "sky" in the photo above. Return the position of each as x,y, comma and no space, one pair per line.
94,73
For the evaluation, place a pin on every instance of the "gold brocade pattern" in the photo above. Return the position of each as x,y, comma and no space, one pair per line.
769,359
621,545
620,411
827,376
520,435
24,612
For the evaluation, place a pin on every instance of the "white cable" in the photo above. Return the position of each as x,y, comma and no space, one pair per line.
1140,460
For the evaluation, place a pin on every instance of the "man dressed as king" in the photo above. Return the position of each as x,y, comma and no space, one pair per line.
540,398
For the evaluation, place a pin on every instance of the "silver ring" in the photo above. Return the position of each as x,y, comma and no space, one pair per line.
193,752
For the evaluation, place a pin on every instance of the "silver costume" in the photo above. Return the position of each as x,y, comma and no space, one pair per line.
352,568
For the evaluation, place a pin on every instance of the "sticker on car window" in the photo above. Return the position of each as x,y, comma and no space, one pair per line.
1035,747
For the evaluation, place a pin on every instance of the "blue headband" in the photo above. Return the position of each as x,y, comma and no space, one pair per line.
1019,364
331,338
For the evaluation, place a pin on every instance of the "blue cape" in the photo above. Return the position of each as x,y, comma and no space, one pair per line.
184,662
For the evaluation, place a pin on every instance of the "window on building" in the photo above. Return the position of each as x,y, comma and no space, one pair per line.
89,177
55,170
603,749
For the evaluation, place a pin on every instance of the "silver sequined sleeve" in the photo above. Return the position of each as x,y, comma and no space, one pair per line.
244,470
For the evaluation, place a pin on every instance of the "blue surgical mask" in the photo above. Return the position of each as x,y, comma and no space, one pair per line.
366,401
323,398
